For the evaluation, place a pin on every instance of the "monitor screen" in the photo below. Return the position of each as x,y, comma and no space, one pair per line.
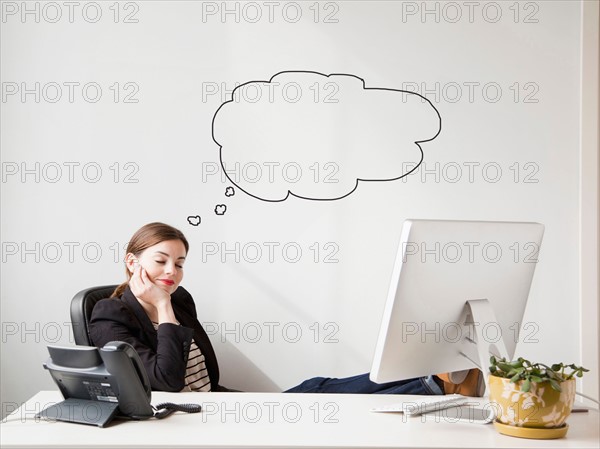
440,266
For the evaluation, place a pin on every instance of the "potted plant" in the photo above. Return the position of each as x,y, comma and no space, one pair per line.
532,400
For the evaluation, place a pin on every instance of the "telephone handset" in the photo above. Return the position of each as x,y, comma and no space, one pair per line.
101,383
135,391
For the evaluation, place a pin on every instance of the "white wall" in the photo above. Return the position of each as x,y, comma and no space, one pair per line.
175,56
590,189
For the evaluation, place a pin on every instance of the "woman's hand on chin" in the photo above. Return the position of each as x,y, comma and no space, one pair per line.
146,290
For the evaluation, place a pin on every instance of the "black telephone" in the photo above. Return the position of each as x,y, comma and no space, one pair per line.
98,384
101,383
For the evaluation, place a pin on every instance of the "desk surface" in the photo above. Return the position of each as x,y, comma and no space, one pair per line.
276,420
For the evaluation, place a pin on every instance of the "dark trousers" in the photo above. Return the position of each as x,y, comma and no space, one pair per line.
362,385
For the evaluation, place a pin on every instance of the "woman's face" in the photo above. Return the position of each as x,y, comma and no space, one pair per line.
163,263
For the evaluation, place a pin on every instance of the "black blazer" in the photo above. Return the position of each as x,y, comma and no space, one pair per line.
165,352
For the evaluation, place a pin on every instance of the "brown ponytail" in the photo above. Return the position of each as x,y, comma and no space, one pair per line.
145,237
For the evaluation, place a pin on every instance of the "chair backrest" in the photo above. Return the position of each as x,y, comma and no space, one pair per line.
81,311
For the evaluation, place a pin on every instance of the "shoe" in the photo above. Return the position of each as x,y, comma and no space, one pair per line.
468,382
454,377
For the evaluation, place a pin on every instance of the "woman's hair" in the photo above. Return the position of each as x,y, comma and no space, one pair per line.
145,237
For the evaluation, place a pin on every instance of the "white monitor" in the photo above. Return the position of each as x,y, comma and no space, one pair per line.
457,293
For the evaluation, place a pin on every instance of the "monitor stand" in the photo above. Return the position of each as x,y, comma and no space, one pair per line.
83,411
478,315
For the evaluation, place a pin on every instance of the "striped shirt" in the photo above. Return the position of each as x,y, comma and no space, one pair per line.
196,374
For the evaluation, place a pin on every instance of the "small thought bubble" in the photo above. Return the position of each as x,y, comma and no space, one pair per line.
229,191
316,136
194,220
220,209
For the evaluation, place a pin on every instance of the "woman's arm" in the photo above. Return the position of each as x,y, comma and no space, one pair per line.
113,320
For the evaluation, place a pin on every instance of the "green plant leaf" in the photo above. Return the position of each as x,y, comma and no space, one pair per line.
555,385
504,366
523,369
526,386
552,375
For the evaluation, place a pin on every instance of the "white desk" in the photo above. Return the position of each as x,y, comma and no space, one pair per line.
276,420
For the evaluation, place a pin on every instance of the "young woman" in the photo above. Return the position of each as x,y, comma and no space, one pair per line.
158,318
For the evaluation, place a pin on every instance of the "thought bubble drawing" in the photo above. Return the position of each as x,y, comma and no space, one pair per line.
229,191
194,220
316,136
220,209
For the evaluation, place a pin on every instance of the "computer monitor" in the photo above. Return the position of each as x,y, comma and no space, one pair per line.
457,294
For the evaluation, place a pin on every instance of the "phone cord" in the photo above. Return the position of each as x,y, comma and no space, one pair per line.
167,408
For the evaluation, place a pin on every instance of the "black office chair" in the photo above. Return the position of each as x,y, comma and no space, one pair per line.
81,311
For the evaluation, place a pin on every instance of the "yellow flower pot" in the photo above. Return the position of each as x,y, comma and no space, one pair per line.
541,407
